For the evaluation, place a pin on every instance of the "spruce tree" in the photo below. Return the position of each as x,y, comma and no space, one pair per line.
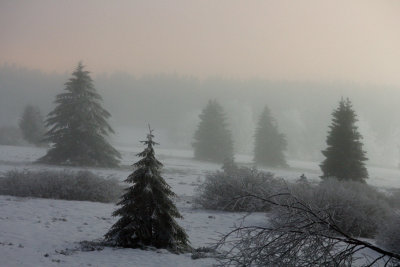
269,143
32,125
78,127
344,156
147,211
213,140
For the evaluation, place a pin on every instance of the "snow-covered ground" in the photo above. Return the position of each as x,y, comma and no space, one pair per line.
44,232
180,165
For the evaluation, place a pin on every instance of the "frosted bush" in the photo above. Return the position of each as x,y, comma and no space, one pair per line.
356,208
389,234
300,231
229,189
68,185
394,198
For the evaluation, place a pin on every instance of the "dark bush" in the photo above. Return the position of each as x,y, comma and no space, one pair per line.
357,208
389,234
310,227
68,185
394,198
227,189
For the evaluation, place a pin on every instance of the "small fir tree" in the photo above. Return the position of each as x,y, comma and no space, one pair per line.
147,211
32,126
213,140
269,143
344,156
78,126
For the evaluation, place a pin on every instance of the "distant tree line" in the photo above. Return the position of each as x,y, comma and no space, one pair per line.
301,108
77,131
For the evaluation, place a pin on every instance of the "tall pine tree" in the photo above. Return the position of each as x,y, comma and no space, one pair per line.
147,211
213,139
344,156
78,127
269,143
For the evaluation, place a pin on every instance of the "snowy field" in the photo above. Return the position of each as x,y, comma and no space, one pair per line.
44,232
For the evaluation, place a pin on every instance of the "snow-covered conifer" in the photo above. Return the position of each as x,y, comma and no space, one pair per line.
147,213
78,127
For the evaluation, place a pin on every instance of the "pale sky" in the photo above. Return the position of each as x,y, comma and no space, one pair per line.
312,40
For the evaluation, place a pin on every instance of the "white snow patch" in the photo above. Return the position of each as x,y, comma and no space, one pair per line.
32,228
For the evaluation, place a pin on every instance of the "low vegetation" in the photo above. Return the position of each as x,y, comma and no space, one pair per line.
394,198
68,185
389,234
303,234
228,189
321,224
357,208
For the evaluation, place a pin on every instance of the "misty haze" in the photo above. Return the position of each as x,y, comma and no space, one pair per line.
196,133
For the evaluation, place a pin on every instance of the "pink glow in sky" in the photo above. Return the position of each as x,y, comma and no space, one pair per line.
291,40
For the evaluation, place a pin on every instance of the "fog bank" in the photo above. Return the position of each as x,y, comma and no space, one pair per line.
171,104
